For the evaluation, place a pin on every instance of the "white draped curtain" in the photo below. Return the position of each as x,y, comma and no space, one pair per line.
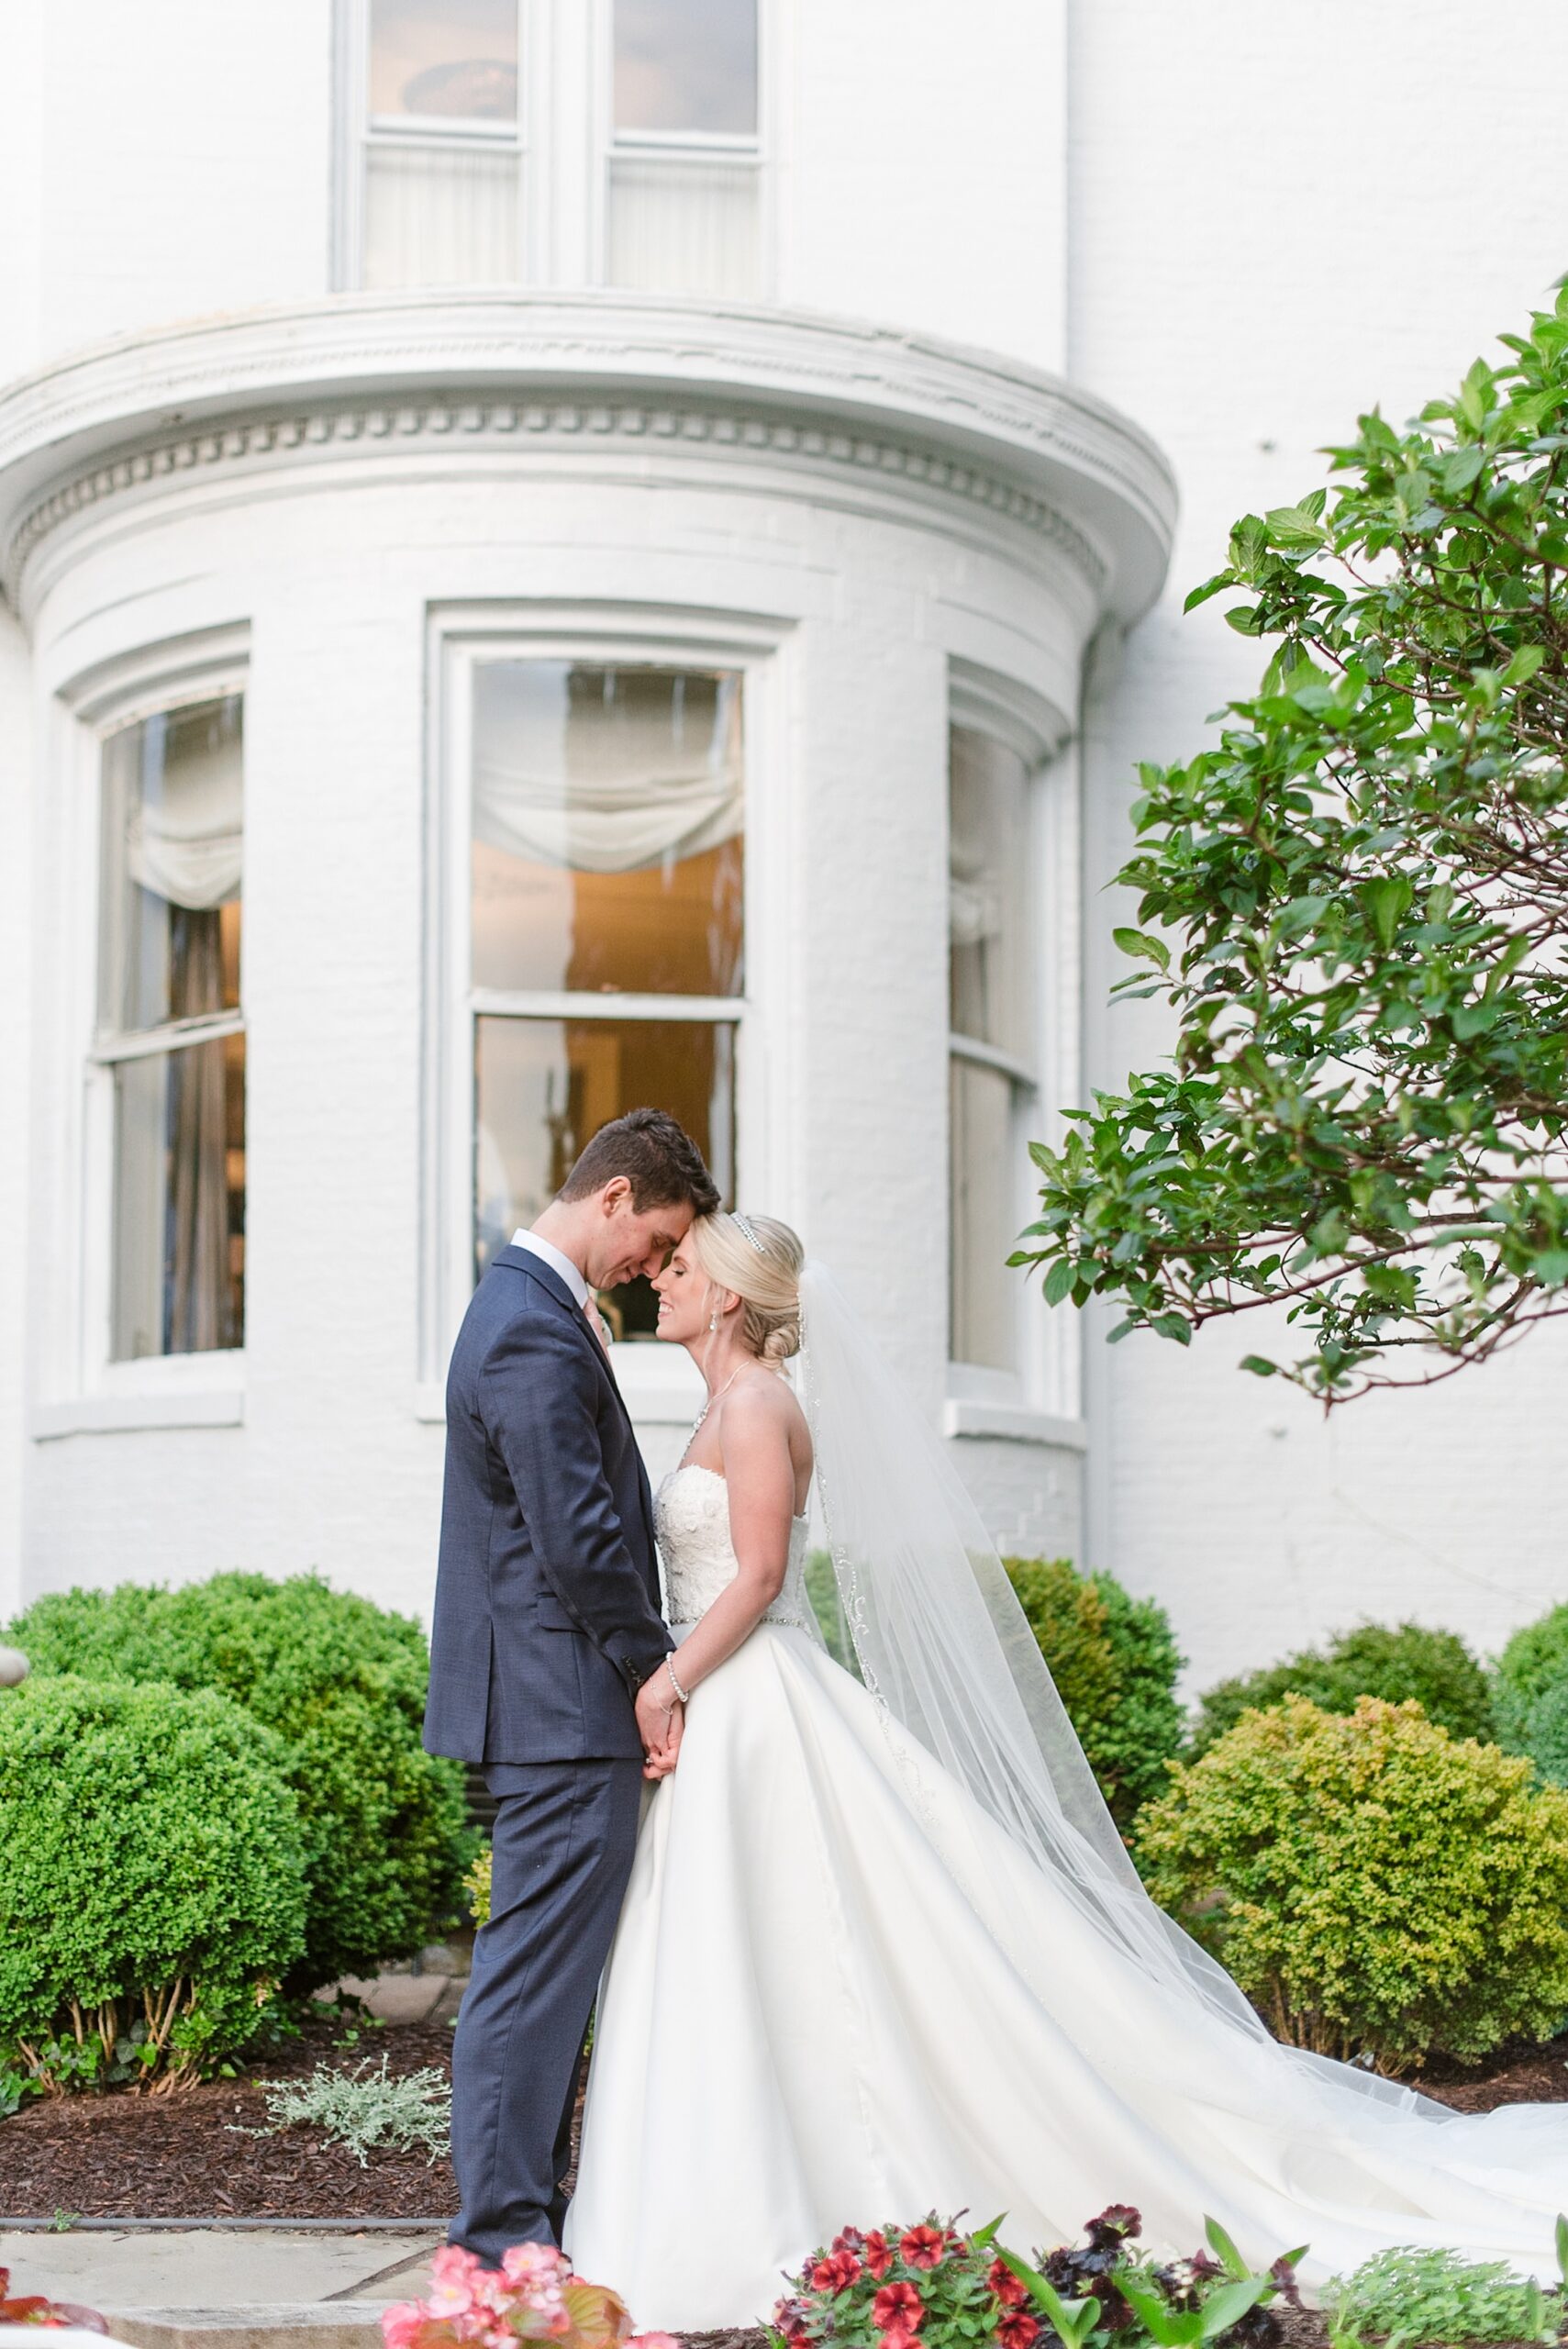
611,784
184,828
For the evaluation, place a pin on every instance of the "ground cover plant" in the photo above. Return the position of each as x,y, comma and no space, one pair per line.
1355,906
153,1892
1378,1888
1399,1662
342,1683
1115,1663
366,2108
1407,2295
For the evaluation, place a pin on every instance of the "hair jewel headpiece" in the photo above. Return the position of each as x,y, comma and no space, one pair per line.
742,1225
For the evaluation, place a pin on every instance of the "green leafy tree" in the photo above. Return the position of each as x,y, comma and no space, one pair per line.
1356,905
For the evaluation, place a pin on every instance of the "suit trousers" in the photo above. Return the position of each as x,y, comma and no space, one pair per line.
565,1834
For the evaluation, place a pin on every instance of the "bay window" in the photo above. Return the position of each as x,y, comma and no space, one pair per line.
991,1049
170,1029
605,924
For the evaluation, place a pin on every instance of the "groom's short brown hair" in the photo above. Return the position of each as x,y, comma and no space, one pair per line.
658,1158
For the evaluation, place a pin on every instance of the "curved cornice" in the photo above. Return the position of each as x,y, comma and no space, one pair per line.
271,385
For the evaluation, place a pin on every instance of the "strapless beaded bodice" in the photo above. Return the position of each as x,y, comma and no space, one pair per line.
691,1516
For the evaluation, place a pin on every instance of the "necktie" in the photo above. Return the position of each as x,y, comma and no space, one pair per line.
598,1325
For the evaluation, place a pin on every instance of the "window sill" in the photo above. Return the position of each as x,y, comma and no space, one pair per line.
964,1415
120,1414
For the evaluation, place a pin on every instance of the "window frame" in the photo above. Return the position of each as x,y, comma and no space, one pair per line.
611,145
1040,1394
78,1384
358,132
658,1381
564,136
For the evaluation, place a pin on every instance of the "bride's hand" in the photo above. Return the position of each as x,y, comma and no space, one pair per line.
659,1721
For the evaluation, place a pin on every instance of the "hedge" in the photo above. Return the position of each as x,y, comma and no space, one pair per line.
1375,1886
342,1682
154,1891
1398,1663
1115,1663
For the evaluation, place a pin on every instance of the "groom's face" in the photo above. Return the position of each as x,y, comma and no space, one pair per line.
626,1242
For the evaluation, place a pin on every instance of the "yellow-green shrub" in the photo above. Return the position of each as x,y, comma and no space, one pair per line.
476,1884
1374,1885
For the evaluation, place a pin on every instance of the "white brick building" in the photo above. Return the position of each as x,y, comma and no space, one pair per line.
564,552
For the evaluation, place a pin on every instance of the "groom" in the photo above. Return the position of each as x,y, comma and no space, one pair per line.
547,1629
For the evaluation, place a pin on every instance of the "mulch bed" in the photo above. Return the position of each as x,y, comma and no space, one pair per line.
176,2156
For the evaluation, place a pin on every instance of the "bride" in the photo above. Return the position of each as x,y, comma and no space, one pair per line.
882,1950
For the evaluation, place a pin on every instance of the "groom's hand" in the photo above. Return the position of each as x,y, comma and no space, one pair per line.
659,1724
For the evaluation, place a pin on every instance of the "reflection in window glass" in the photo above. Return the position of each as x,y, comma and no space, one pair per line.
686,65
545,1086
987,863
444,57
607,813
169,953
983,1301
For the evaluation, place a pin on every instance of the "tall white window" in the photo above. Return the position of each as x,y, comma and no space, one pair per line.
170,1029
685,151
992,1043
441,201
605,931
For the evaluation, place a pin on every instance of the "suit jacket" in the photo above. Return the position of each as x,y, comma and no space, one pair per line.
547,1595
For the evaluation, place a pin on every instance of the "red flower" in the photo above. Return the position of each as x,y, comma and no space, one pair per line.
898,2336
1009,2288
876,2253
850,2239
923,2246
790,2319
1017,2331
836,2273
898,2307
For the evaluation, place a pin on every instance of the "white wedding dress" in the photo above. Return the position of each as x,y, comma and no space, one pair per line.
841,1994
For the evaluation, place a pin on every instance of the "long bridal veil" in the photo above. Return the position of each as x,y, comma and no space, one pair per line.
943,1646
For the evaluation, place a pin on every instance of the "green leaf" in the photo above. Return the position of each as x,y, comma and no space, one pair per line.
1058,1280
1386,902
1230,2303
1259,1365
1138,943
1552,1269
1215,587
1224,2250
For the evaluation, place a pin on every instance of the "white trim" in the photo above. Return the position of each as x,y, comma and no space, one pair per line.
141,1043
969,1048
118,1414
1012,1423
457,635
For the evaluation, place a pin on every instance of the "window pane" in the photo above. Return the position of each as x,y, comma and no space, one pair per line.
545,1087
178,1232
679,226
607,810
686,65
984,1217
171,846
446,57
441,216
987,852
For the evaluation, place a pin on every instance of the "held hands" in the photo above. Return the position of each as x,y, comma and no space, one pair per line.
661,1720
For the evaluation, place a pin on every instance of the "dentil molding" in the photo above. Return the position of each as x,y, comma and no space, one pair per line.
375,374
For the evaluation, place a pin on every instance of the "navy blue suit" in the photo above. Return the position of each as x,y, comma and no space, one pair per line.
546,1622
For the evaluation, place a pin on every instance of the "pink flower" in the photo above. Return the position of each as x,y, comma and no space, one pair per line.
898,2307
401,2323
923,2246
535,2263
898,2336
454,2275
653,2341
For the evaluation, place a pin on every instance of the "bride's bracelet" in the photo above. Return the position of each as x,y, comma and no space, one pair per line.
680,1692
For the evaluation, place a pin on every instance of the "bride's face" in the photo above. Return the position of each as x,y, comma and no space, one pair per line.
686,1299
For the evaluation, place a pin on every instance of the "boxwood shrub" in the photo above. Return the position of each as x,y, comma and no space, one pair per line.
1115,1664
1394,1661
1530,1693
342,1683
1374,1885
153,1892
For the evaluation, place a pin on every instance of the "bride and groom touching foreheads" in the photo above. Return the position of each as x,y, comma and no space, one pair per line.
860,1940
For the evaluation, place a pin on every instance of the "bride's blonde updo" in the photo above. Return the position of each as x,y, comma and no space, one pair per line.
763,1271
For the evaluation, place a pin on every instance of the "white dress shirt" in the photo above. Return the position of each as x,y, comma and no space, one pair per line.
552,1255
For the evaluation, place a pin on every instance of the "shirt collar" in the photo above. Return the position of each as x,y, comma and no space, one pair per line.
553,1257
